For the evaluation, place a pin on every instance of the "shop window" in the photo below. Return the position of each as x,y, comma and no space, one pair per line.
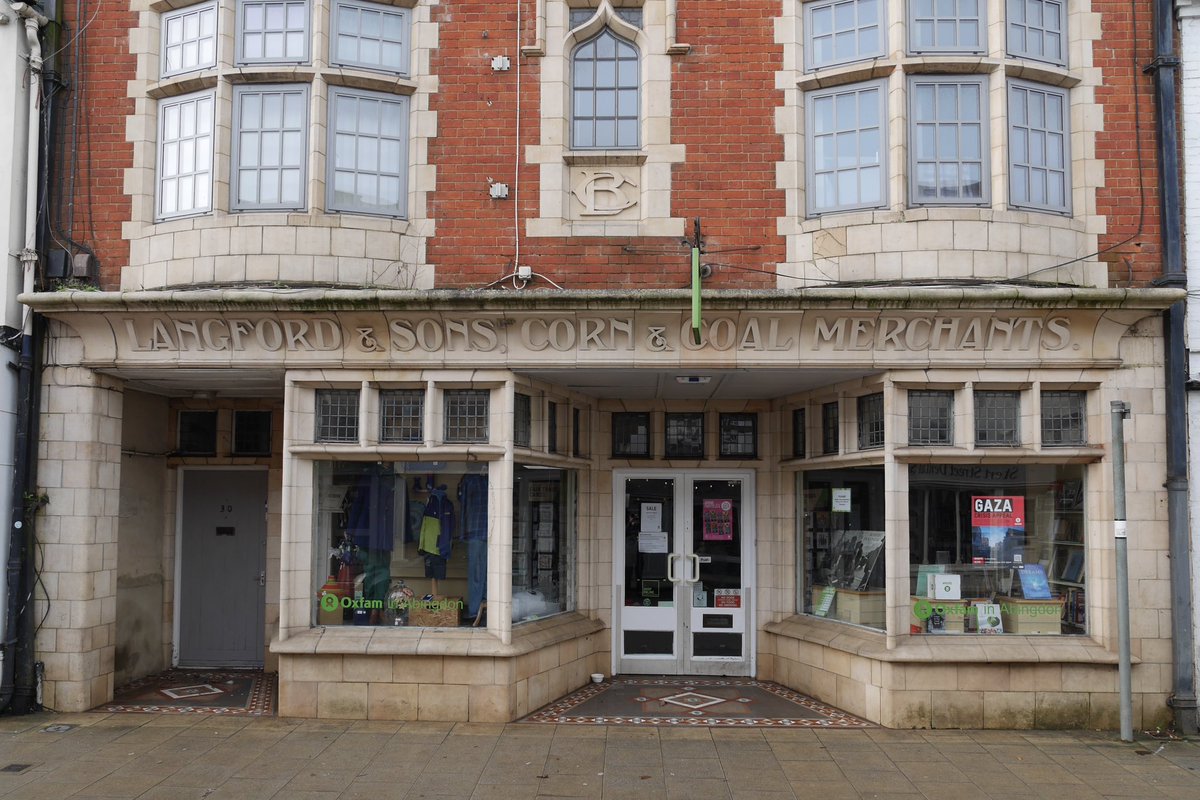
197,433
1038,147
523,420
368,173
272,32
799,434
946,26
997,418
189,39
270,150
843,545
337,415
870,421
842,31
684,434
846,142
466,415
1037,29
370,36
402,415
947,127
251,433
185,155
543,536
996,548
738,434
631,434
830,438
400,546
930,417
605,93
1064,419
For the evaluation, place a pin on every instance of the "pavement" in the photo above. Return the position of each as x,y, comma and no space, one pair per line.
208,757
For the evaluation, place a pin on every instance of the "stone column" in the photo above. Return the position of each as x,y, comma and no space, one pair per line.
79,466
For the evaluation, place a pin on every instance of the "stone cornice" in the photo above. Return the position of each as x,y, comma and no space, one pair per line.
1187,8
895,298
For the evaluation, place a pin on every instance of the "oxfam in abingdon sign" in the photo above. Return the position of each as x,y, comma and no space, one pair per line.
332,602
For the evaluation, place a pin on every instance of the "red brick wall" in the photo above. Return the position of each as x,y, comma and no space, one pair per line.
103,155
723,100
1126,125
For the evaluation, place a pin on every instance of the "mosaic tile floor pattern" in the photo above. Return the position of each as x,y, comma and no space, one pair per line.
184,691
694,702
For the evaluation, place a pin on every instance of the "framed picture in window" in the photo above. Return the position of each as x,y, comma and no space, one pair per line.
684,435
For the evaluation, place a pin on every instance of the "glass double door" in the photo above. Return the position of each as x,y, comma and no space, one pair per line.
683,572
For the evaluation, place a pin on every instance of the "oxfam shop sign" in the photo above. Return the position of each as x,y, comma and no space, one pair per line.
332,602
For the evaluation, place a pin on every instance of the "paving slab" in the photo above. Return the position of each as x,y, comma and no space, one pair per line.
154,757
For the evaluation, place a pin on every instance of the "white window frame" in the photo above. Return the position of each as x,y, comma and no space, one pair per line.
615,87
1064,96
240,33
236,203
810,61
983,123
197,175
880,87
336,33
1060,59
959,21
198,11
331,164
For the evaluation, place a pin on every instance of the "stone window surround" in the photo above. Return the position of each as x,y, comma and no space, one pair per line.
560,166
1051,238
300,452
896,455
895,412
156,255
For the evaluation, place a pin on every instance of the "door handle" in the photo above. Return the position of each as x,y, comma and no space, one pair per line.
262,578
695,561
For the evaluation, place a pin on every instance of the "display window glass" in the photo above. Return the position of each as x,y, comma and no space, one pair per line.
843,545
543,537
400,544
997,549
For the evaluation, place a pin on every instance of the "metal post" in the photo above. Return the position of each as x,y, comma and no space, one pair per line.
1120,413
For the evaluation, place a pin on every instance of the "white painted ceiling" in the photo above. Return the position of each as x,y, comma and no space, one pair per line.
598,382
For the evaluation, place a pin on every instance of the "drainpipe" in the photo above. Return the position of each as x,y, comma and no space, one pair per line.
18,691
1164,69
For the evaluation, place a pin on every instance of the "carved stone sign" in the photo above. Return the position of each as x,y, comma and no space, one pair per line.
603,192
656,339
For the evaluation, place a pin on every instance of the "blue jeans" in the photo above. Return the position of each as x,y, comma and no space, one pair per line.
477,551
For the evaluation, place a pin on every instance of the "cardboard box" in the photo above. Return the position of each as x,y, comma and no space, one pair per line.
441,612
1031,616
861,608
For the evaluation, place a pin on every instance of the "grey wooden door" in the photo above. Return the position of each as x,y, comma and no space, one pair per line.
222,563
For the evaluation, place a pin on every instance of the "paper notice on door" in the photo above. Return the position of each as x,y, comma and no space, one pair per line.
717,522
651,517
841,500
728,598
652,542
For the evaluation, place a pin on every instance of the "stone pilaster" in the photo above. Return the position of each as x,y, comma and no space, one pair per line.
79,465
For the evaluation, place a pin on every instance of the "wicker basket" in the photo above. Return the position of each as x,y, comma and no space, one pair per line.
442,612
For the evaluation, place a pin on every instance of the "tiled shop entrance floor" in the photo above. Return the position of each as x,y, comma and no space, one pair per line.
190,691
701,702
